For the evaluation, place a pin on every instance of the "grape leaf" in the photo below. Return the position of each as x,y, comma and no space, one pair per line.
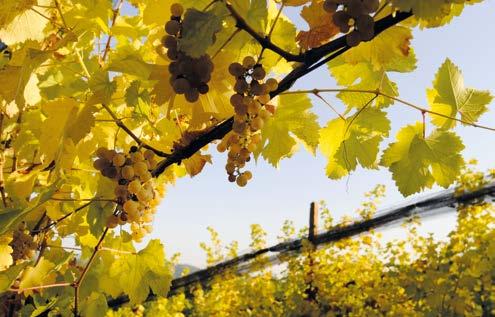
10,216
8,276
198,30
195,164
42,274
99,212
433,13
366,66
292,120
102,87
20,185
417,163
449,97
96,305
137,273
355,140
128,61
66,119
5,253
321,27
255,12
18,23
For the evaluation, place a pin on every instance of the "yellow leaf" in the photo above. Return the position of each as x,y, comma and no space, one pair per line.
41,274
20,185
321,27
5,252
194,165
19,22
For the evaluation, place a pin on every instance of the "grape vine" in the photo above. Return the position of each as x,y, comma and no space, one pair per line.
100,111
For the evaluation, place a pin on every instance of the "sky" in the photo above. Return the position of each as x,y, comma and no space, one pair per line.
284,193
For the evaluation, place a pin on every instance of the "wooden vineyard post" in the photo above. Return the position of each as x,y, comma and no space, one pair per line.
311,290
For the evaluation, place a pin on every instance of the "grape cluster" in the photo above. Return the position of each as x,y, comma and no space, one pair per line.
134,188
250,104
189,76
23,244
355,14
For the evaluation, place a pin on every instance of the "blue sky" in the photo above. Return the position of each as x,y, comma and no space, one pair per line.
275,195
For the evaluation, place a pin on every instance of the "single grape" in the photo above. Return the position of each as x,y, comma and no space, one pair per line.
176,9
172,27
101,152
134,186
203,88
341,20
236,100
258,73
236,69
264,99
221,147
254,108
140,168
241,180
241,86
248,175
353,38
192,95
127,172
148,154
110,172
173,54
100,164
248,62
181,85
145,176
169,42
272,84
257,123
118,160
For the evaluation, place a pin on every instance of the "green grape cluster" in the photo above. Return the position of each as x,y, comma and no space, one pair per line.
134,190
250,104
355,14
23,244
189,76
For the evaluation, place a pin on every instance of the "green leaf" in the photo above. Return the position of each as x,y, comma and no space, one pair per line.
99,212
417,163
292,121
355,140
11,216
198,32
96,305
102,87
8,276
137,273
255,12
127,61
449,97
